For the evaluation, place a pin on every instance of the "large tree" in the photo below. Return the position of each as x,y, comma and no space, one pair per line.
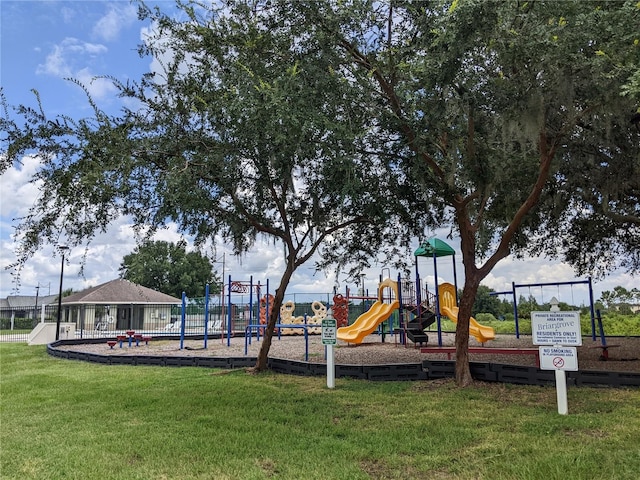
169,268
244,132
309,122
493,102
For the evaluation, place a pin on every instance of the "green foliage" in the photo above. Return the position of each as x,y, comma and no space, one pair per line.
527,305
347,127
485,302
620,297
602,162
618,324
169,268
494,105
18,323
226,145
485,317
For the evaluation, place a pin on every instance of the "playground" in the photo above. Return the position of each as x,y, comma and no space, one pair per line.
400,323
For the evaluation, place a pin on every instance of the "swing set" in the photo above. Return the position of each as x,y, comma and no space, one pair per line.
515,286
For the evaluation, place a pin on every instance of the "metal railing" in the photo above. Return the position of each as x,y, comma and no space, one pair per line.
107,321
99,321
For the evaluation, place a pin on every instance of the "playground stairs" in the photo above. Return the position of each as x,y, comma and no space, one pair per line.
415,328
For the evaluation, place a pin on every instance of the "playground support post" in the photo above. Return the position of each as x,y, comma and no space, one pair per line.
183,319
229,313
515,309
418,289
206,314
250,319
267,313
593,324
438,316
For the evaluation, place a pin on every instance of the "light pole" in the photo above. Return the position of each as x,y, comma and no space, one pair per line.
35,309
362,277
62,248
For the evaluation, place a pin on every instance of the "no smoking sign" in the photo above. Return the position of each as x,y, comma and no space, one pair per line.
558,358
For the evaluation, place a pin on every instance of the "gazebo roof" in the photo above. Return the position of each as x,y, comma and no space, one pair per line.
119,291
434,247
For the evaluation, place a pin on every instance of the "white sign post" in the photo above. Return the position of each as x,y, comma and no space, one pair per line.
557,329
329,339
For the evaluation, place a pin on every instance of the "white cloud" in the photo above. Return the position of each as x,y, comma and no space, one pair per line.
97,87
117,18
18,191
73,58
68,14
64,57
55,63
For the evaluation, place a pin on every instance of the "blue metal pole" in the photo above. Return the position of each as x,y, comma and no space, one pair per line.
435,270
229,314
206,315
418,291
183,319
593,324
250,299
515,309
603,339
266,309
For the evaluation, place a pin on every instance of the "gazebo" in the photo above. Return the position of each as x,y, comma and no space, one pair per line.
119,305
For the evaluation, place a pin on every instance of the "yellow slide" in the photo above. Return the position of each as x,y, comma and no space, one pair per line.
448,308
369,321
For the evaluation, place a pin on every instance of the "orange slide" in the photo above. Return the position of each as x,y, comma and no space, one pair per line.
448,308
369,321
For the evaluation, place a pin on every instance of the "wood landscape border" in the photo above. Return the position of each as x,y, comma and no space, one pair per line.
425,370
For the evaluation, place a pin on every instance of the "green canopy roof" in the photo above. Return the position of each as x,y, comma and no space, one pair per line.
434,247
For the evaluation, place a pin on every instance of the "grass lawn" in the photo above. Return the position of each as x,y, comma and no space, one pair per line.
73,420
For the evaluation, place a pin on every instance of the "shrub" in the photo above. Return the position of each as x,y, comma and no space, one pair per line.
18,323
485,318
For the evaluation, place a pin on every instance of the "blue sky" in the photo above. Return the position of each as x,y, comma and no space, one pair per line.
42,42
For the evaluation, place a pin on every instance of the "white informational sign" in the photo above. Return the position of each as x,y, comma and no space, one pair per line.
562,330
329,331
556,328
559,358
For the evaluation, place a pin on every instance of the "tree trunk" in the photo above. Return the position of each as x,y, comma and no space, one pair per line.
473,276
463,370
263,355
